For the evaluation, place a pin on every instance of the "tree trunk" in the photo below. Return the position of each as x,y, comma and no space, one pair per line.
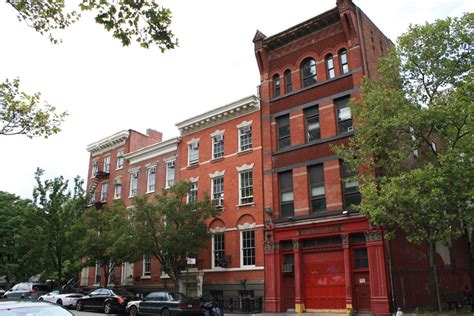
106,274
433,276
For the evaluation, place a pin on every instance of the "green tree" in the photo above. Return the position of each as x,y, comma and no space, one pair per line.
171,229
57,212
106,238
415,136
145,22
21,113
18,253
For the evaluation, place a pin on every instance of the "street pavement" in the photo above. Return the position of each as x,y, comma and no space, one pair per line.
91,313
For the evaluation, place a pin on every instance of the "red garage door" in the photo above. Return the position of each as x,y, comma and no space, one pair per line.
324,285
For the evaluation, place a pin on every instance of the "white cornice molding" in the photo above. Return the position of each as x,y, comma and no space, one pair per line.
245,167
221,114
217,174
246,226
217,132
193,141
153,151
194,179
243,124
108,143
217,230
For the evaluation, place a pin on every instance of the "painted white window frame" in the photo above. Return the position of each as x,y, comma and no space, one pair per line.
170,165
120,159
150,179
117,193
104,188
97,272
195,182
242,248
213,256
217,138
240,127
95,167
241,170
146,262
193,147
133,180
107,164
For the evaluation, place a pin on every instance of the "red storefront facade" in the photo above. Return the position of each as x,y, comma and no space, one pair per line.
320,255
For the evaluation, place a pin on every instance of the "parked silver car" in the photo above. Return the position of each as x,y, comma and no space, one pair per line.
27,290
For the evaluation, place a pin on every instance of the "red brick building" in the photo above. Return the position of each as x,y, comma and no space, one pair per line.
123,166
221,154
319,254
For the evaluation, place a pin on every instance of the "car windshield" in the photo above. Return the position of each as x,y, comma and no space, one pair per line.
120,292
178,296
36,311
41,288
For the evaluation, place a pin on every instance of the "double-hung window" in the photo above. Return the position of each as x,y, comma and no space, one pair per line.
318,194
151,179
284,137
97,272
344,116
285,180
193,153
288,82
218,246
170,173
246,187
313,131
218,192
117,190
120,159
146,265
276,86
343,61
193,193
351,187
95,167
245,137
330,66
107,164
247,238
133,183
218,146
308,72
103,192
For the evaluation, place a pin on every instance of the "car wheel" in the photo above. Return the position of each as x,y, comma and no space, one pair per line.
108,308
79,306
40,299
133,311
4,296
59,302
165,312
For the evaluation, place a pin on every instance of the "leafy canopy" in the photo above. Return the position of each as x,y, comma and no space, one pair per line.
145,22
415,134
170,228
21,113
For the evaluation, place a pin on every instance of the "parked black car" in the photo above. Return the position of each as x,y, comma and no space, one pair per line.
107,300
165,304
27,290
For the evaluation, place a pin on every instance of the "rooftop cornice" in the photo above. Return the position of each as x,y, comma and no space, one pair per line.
302,29
220,114
108,143
152,151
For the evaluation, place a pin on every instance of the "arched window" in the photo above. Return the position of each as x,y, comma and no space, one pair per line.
330,66
288,83
276,86
308,72
343,61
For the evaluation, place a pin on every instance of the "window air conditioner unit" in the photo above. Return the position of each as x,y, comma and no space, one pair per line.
287,267
218,203
246,129
350,128
219,138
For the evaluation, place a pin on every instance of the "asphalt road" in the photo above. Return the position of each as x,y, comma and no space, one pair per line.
91,313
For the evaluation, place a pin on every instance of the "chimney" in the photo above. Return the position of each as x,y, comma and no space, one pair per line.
155,135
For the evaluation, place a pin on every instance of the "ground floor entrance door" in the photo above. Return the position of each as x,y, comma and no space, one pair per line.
362,291
288,291
324,285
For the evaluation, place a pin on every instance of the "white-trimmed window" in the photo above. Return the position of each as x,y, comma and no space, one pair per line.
193,153
217,191
103,192
97,272
218,250
218,146
107,164
123,273
151,179
133,183
170,173
146,265
117,190
112,273
93,195
95,167
245,137
247,246
120,159
246,187
193,192
343,61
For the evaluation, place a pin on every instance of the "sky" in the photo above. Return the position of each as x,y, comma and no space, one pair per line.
107,88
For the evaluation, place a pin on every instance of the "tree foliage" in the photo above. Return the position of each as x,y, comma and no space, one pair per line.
106,238
145,22
21,113
171,229
57,212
